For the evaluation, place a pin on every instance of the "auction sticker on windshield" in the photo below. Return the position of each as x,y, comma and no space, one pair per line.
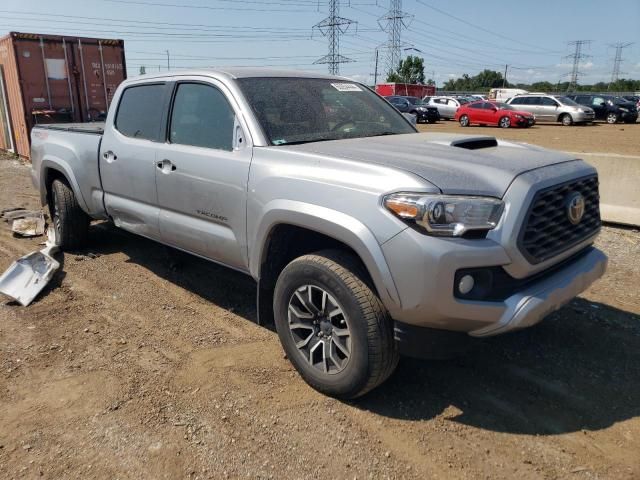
346,87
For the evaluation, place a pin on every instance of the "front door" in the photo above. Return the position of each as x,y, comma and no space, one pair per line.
128,158
201,173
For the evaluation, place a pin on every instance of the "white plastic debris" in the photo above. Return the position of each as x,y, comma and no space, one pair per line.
27,276
31,226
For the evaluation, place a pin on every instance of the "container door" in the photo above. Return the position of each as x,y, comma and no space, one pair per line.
128,159
202,176
5,119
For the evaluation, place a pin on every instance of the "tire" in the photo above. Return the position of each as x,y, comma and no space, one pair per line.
464,121
69,220
372,351
504,122
612,118
566,120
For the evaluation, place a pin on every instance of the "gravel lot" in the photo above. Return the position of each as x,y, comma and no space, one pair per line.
135,363
621,138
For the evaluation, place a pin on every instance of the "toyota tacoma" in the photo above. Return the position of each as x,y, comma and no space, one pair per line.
366,239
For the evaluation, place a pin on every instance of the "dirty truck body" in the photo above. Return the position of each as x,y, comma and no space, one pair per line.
365,237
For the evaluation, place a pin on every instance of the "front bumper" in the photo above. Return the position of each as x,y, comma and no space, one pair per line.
583,117
530,306
428,116
424,268
629,116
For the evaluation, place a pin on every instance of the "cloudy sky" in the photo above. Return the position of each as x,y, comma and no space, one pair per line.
454,36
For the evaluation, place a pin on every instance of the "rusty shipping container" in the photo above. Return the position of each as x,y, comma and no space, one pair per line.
54,79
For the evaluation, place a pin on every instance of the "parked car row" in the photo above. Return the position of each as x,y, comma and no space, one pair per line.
522,109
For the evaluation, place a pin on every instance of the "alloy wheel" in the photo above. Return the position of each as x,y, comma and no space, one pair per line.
320,329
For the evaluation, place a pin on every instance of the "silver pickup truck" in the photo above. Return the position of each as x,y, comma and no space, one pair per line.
366,238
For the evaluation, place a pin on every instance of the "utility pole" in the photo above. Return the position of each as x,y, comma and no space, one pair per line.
504,79
392,22
375,75
168,64
577,57
332,27
617,61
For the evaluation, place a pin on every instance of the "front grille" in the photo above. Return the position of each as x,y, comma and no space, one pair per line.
547,230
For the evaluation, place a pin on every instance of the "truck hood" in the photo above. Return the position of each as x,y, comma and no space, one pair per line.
456,164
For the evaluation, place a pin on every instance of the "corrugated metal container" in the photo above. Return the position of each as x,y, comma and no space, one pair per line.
54,79
406,89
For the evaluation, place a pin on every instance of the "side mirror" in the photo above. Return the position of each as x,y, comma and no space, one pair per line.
603,104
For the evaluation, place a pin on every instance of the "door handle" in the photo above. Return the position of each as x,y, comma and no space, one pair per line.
109,156
166,166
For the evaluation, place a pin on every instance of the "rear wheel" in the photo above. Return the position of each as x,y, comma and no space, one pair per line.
334,329
505,122
612,117
566,120
464,121
69,220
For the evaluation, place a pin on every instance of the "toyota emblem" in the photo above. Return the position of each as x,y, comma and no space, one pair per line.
575,207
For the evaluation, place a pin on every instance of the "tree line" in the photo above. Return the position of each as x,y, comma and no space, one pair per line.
411,70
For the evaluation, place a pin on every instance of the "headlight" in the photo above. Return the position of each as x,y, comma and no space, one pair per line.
421,109
517,115
445,215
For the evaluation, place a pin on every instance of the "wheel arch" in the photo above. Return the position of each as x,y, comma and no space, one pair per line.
52,169
290,229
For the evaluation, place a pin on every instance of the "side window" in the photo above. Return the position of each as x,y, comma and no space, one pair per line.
534,101
475,105
140,111
549,102
517,101
597,101
201,117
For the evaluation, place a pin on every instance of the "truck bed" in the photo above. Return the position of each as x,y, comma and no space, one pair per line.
95,128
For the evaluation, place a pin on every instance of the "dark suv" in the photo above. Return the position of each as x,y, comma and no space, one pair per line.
416,106
610,108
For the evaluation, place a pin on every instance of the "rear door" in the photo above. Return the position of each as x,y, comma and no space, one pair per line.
201,173
128,158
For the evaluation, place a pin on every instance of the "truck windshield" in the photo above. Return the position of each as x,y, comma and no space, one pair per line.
302,110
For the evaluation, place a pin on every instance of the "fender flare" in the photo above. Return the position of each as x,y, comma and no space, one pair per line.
54,163
334,224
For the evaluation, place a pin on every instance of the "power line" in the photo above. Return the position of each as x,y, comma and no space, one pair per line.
207,7
332,27
392,22
577,57
617,61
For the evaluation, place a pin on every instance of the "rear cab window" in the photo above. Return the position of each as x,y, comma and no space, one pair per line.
140,111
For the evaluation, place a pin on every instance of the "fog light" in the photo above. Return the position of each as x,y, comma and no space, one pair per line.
466,284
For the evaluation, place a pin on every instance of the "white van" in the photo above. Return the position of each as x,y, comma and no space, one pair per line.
504,94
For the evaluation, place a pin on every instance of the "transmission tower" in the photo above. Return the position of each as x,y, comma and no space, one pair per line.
393,22
332,27
577,57
617,61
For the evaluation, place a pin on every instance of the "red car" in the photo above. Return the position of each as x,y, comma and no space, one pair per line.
487,113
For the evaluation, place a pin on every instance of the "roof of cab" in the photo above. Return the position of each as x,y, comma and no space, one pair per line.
240,72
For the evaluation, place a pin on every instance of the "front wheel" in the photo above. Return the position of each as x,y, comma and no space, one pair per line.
464,121
505,122
69,220
333,327
566,120
612,118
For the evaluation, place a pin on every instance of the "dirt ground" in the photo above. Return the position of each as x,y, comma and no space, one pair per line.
600,137
132,366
